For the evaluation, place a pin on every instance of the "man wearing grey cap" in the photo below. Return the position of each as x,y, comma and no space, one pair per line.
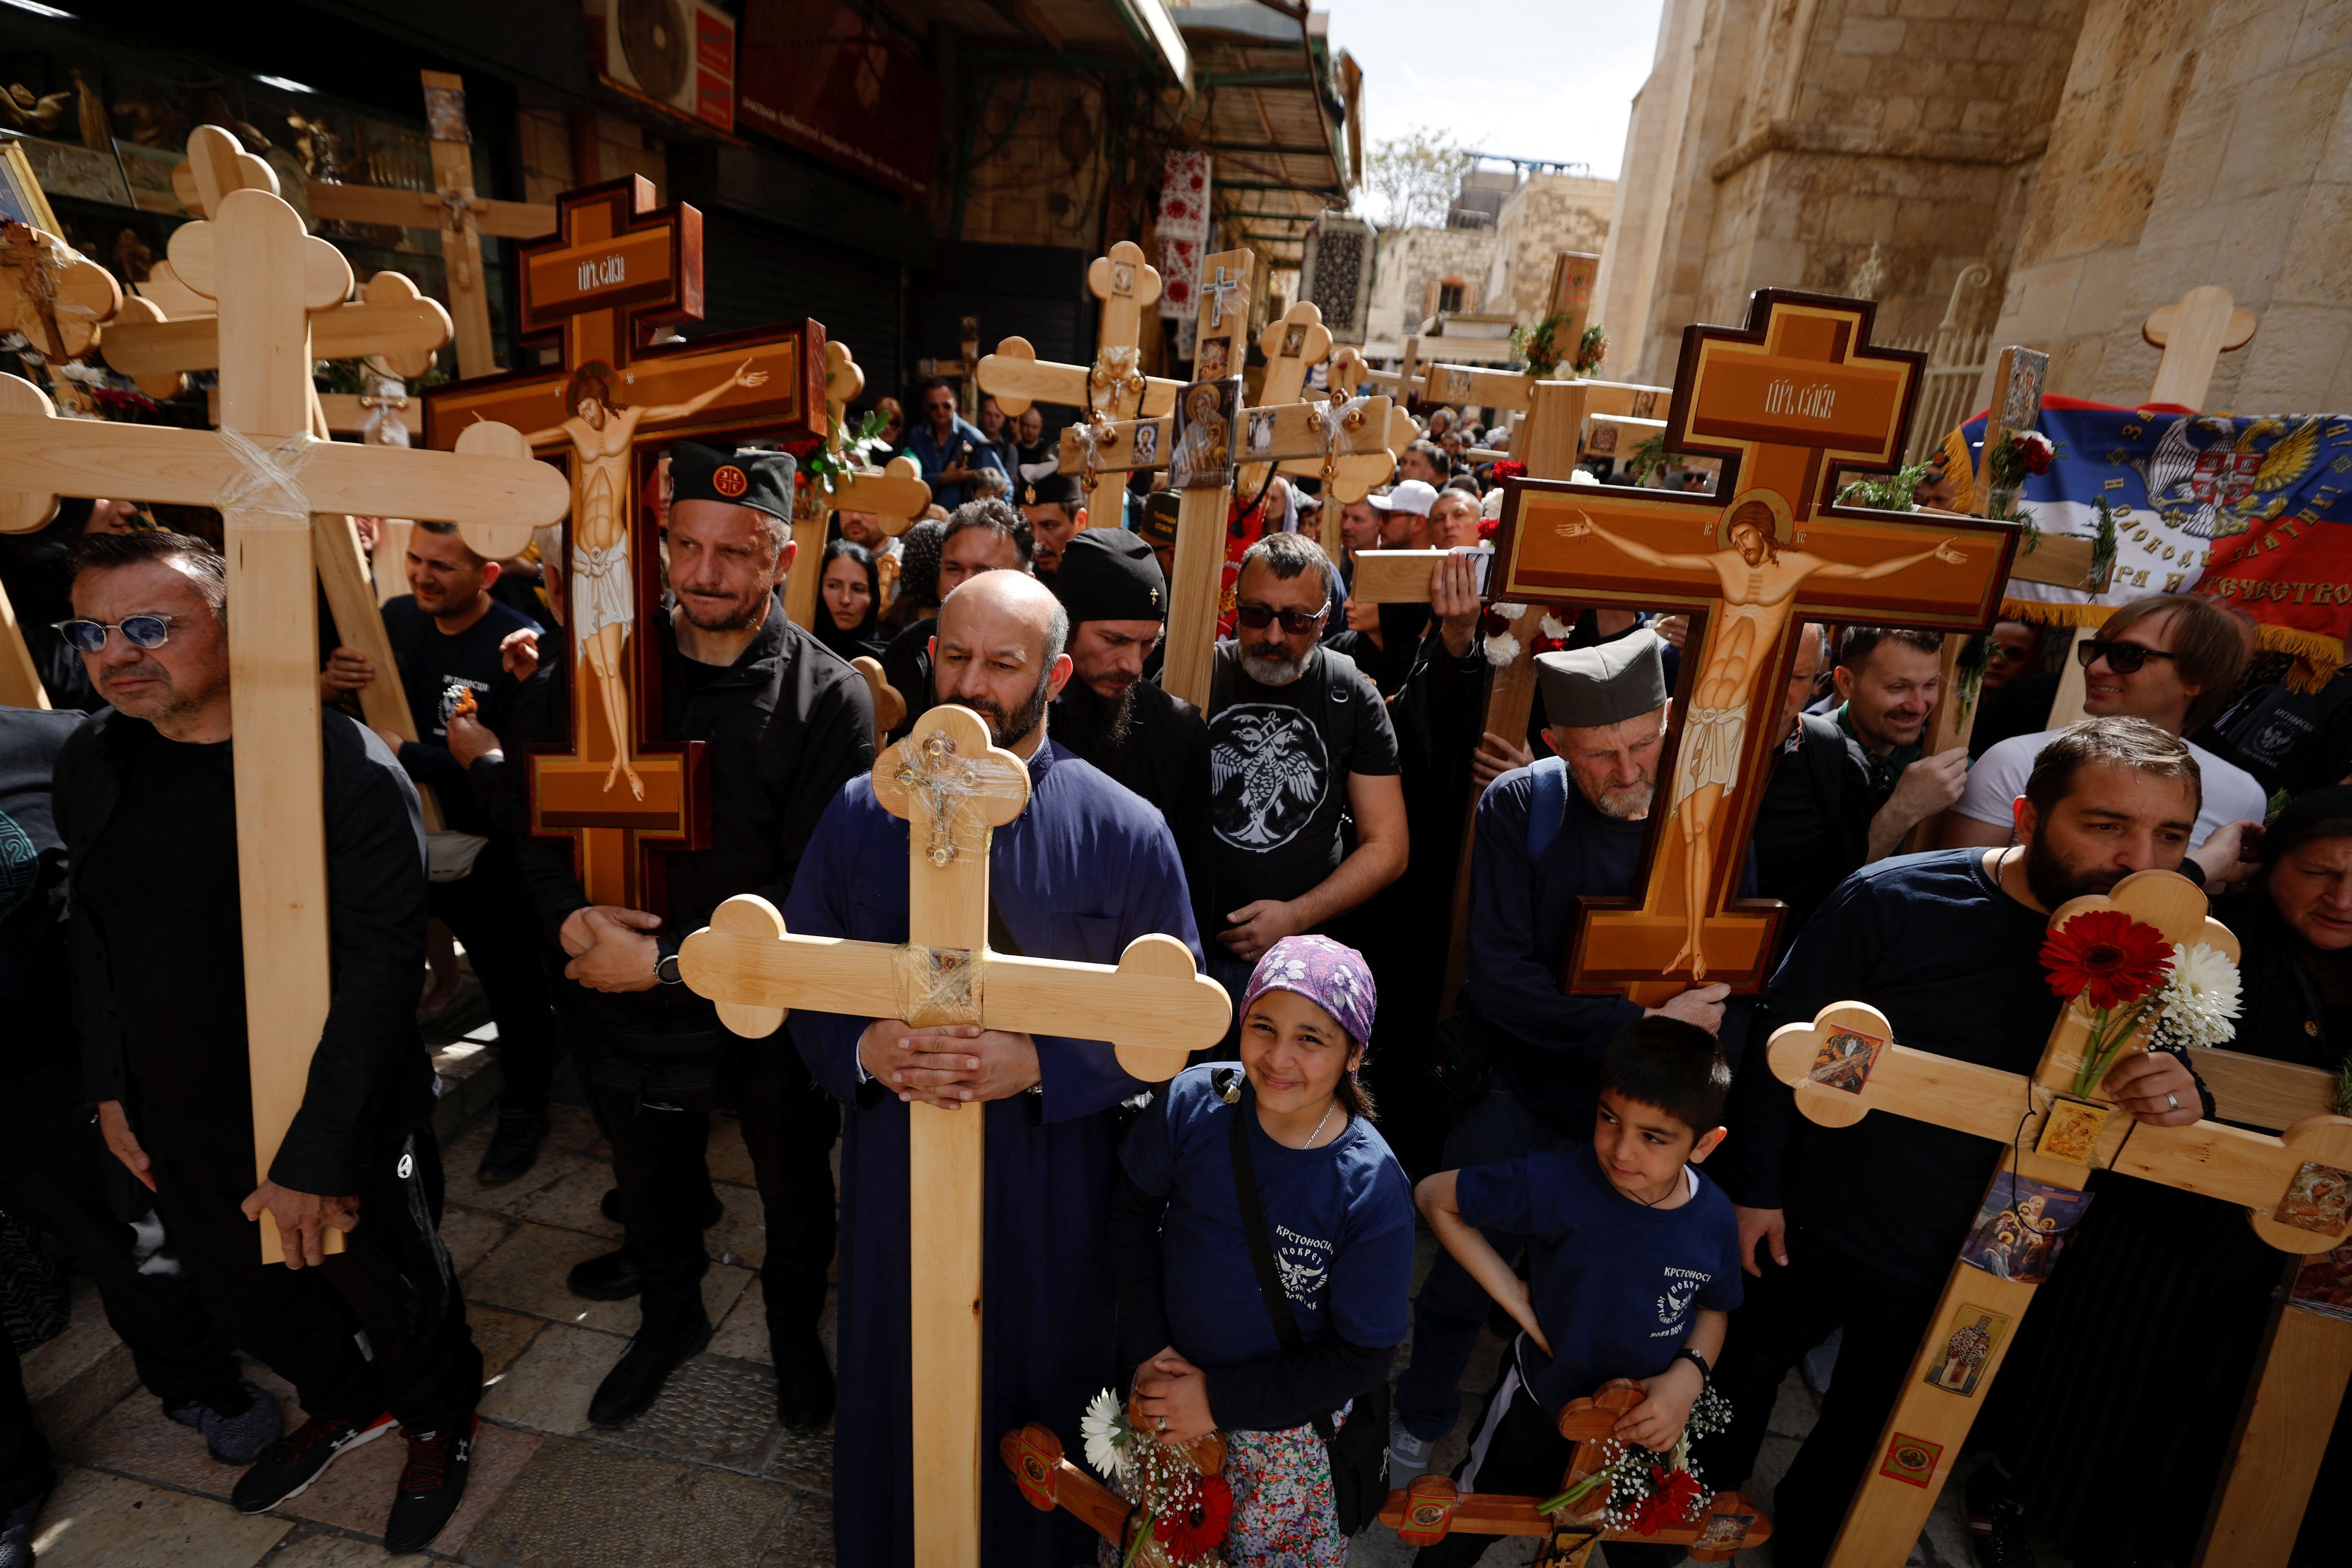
1570,826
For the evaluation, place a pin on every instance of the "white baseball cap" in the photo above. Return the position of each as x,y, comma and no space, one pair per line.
1415,496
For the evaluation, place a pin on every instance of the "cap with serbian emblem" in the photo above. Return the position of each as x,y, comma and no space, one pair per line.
762,480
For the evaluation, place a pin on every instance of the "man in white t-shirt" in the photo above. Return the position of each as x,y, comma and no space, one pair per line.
2171,659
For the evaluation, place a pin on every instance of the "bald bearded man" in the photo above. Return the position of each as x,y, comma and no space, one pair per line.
1086,869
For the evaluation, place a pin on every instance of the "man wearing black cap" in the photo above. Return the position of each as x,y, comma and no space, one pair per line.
1154,744
1056,510
786,723
1570,826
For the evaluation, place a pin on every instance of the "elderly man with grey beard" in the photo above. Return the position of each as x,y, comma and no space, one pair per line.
1570,826
1298,737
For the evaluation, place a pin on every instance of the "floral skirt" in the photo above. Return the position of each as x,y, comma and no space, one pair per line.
1285,1515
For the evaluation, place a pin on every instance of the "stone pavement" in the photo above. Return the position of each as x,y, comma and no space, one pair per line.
705,1479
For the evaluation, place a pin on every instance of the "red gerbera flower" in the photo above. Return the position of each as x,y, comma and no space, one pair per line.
1192,1523
2108,956
1669,1504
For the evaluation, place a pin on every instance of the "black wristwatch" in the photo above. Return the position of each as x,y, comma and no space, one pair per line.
1705,1373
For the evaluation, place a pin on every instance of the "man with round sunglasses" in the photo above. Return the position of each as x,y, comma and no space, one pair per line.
2171,659
1298,739
146,803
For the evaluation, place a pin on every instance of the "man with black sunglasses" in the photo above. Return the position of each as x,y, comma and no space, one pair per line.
146,802
1299,740
2172,660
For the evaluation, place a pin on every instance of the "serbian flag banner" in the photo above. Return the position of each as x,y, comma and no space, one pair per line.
2251,511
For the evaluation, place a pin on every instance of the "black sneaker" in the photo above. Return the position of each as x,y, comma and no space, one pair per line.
234,1434
295,1461
1996,1520
432,1485
611,1278
610,1208
803,1385
514,1146
16,1533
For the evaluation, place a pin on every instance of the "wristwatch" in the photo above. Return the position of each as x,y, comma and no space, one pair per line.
665,970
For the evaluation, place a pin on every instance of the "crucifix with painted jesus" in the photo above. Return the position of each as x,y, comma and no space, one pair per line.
617,267
1786,401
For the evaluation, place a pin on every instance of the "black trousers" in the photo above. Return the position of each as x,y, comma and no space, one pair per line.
392,1280
489,912
1519,1451
659,1163
1786,1313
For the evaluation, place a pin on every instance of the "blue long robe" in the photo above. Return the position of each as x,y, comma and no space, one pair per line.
1086,868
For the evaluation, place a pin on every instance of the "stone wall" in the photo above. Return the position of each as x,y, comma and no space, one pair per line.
1547,215
2198,142
1409,260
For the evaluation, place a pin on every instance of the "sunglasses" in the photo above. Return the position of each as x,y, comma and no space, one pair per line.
139,631
2123,657
1297,623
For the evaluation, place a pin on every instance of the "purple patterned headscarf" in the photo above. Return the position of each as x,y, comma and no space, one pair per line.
1330,975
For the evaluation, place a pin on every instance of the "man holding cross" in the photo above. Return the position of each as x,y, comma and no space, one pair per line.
1859,1224
145,798
1080,873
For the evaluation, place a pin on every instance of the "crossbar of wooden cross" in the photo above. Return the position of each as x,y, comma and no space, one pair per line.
953,789
1845,1064
268,474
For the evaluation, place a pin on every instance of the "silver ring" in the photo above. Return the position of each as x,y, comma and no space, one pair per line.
1163,1422
2172,1102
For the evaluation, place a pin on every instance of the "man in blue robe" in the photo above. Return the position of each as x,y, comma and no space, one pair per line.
1088,867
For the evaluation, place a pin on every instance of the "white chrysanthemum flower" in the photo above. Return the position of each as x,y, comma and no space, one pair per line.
2200,998
1502,650
1100,1425
1553,629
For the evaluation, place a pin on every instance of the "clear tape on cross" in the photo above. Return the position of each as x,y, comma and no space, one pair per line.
931,771
267,483
935,986
1115,372
1092,435
1337,422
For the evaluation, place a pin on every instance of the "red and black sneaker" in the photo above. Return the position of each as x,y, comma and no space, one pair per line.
432,1485
288,1466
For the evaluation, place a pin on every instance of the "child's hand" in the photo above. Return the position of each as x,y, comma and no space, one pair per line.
1657,1422
1175,1399
1522,1308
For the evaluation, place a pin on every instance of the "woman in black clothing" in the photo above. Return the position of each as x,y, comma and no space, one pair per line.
2115,1414
849,600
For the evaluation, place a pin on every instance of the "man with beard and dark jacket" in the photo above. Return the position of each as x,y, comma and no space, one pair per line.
1154,744
146,799
785,724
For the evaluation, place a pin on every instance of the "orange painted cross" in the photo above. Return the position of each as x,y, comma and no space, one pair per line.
617,267
1786,402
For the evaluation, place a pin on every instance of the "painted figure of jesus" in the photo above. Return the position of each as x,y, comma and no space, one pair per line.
604,595
1759,584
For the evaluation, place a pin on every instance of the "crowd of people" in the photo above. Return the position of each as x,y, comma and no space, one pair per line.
1627,1188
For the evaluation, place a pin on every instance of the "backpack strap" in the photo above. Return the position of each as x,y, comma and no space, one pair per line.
1547,806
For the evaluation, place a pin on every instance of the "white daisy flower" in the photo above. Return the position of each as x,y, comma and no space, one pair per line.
1101,1427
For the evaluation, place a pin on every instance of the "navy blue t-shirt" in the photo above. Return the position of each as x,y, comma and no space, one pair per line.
1613,1281
1339,1216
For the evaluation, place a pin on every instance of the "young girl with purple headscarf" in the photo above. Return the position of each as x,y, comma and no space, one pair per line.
1337,1212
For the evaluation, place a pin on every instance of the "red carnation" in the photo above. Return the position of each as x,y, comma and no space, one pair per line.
1192,1523
1489,526
2034,450
1507,468
2106,955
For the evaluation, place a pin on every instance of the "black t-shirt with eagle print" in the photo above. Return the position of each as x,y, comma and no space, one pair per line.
1279,757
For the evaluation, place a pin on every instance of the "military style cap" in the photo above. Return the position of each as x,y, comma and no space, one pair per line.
1617,680
762,480
1054,489
1110,574
1156,519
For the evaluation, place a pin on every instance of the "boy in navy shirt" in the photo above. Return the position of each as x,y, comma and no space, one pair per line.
1633,1266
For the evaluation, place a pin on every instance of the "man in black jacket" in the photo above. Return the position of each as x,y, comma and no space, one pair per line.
146,803
786,723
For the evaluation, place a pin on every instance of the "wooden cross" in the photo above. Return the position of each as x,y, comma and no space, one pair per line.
1292,346
1785,401
619,266
1113,388
1332,436
953,788
1845,1064
268,475
960,371
1201,509
452,207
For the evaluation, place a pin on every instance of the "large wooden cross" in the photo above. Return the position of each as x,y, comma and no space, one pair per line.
268,474
953,788
960,371
1114,387
1845,1064
1785,401
619,266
